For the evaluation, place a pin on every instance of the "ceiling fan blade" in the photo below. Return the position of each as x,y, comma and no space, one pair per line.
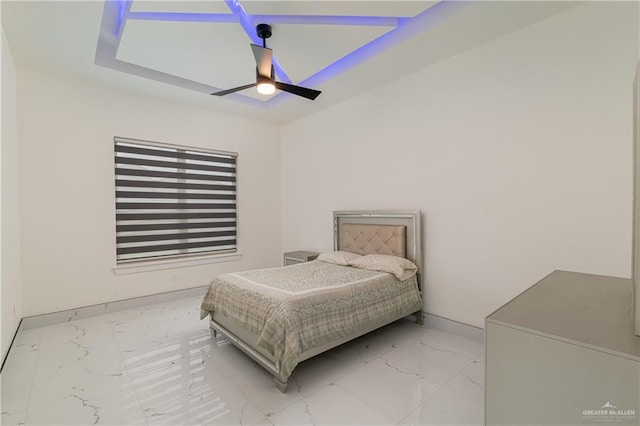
235,89
297,90
263,57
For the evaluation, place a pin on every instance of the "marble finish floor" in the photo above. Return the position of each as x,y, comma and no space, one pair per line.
158,364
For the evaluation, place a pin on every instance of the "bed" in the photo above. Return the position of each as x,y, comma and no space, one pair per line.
283,316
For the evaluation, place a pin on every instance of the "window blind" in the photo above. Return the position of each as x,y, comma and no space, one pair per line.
173,201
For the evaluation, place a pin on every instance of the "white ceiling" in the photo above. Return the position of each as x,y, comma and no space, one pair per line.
161,50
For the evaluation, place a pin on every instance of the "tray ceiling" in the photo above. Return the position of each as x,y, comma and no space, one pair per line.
204,46
184,50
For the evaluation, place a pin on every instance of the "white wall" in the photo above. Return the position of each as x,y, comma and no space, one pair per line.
636,212
636,294
10,224
518,153
636,260
66,131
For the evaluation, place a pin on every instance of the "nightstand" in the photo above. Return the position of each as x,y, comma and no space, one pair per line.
294,257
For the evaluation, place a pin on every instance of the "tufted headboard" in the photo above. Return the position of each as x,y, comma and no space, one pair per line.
374,239
379,231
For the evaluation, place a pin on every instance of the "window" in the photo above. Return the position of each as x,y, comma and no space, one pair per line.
173,201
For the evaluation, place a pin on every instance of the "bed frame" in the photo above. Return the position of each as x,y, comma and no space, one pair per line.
346,236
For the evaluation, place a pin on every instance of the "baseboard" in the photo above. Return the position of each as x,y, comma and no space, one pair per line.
454,327
105,308
52,318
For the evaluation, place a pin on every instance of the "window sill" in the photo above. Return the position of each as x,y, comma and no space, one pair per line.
157,265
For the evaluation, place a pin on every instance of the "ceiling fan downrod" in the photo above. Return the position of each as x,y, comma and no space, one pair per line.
264,32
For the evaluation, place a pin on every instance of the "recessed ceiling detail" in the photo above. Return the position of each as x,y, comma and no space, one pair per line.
195,45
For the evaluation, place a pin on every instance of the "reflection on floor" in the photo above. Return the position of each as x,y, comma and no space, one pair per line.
159,365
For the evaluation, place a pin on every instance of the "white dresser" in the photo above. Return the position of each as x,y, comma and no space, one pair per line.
564,352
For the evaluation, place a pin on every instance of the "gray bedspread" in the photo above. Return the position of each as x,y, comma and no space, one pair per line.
296,308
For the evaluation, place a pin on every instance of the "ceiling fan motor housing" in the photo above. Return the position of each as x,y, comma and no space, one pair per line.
263,30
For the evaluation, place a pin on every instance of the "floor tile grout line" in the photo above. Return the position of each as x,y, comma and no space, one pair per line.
450,347
124,367
443,386
33,378
456,375
368,405
439,390
440,387
271,413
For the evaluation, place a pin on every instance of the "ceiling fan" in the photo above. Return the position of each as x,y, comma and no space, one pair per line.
265,77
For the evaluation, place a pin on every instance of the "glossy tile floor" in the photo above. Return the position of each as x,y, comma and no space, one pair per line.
159,365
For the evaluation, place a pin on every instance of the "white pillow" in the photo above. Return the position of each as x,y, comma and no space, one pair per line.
402,268
338,257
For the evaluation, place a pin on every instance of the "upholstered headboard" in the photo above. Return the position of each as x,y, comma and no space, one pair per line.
379,231
374,239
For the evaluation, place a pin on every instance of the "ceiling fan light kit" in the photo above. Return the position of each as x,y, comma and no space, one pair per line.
266,83
266,87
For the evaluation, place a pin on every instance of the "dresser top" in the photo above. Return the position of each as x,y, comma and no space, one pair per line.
588,310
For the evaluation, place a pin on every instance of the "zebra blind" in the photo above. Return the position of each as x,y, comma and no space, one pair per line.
173,201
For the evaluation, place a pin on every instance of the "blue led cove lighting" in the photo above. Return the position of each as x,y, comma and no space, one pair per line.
400,29
182,17
123,8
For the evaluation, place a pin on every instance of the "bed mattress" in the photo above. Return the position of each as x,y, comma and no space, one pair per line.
297,308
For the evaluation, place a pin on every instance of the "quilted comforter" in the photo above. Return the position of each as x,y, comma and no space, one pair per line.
296,308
